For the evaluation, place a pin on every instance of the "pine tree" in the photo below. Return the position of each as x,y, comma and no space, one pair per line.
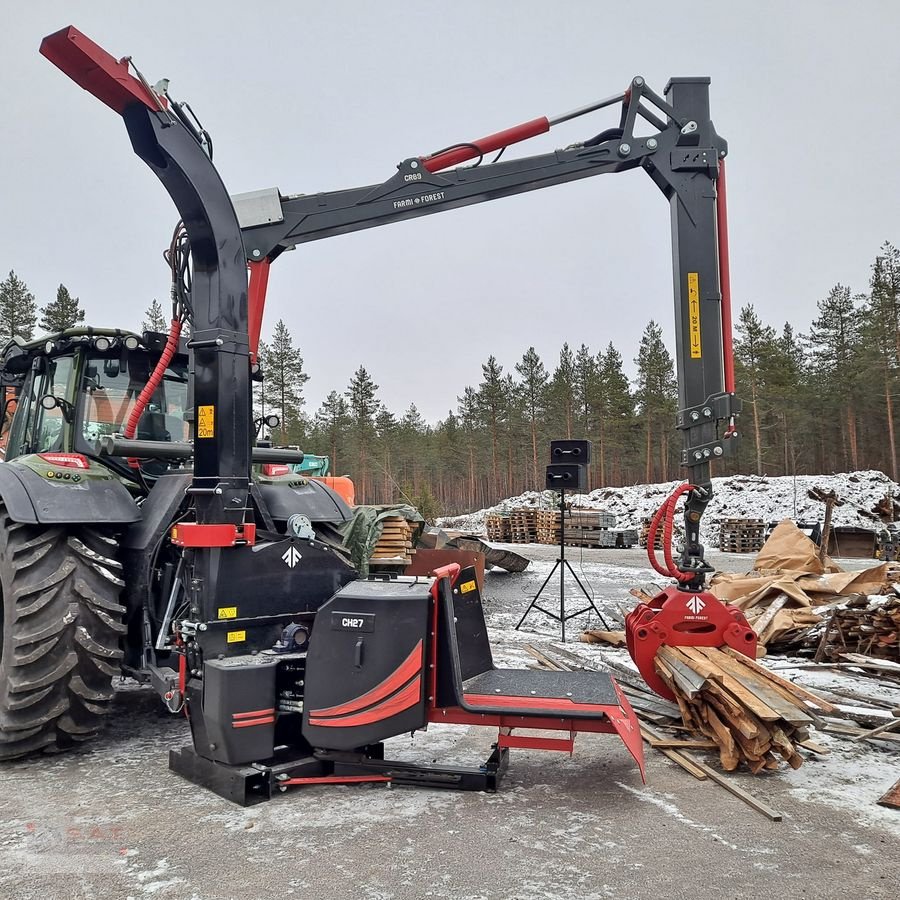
154,319
881,336
363,407
562,392
753,347
62,313
614,412
18,310
834,344
656,395
332,420
492,402
282,366
533,385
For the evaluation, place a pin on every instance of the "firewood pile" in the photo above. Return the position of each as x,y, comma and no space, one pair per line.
752,716
866,625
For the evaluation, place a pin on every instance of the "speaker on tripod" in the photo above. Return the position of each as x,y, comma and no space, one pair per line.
567,472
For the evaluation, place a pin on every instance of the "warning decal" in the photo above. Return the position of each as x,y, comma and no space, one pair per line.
694,314
206,421
235,637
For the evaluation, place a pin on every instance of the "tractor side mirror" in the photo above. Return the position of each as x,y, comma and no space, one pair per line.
51,401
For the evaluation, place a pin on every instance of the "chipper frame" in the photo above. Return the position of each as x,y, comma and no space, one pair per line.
283,689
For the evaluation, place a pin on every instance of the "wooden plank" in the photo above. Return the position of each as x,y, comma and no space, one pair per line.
739,792
679,744
891,797
676,756
732,685
762,623
789,686
790,711
850,731
888,726
814,747
546,660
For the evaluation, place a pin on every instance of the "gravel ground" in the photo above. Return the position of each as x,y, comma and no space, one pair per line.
110,821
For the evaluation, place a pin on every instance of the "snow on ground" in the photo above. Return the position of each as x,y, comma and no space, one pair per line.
736,496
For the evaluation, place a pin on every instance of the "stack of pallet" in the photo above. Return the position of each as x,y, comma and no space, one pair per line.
751,714
395,546
523,526
644,536
741,535
498,529
869,627
548,526
590,528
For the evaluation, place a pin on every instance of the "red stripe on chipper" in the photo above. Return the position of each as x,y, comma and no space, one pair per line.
254,714
249,723
399,677
402,700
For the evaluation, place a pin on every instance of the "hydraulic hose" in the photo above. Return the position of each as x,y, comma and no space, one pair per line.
665,516
153,382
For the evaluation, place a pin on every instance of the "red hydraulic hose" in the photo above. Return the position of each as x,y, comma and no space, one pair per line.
665,515
724,278
153,382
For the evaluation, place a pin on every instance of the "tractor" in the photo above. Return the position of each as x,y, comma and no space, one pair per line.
91,583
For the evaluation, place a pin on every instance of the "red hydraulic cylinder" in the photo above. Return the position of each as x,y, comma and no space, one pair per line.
463,152
259,282
724,278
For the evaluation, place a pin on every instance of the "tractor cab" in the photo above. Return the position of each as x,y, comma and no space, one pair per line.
68,391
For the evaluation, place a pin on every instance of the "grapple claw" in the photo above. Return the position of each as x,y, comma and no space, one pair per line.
683,619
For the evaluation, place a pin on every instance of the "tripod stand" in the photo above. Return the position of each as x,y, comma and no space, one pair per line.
563,565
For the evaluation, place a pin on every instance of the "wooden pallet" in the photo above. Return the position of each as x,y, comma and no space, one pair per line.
498,529
395,546
741,535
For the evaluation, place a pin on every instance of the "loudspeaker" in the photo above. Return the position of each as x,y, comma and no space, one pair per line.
570,452
567,476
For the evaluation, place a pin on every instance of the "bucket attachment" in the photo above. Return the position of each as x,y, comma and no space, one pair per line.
683,619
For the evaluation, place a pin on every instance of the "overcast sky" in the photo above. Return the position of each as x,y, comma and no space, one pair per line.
320,96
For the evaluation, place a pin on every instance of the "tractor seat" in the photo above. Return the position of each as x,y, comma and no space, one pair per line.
468,678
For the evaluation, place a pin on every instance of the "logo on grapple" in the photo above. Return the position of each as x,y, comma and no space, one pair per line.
695,605
291,556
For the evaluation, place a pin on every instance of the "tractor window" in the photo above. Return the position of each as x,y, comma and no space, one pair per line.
111,387
35,429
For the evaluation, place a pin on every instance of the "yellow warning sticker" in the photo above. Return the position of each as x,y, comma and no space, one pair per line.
227,612
235,637
694,314
206,421
467,586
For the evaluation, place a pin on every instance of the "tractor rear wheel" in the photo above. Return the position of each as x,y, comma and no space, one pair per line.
60,632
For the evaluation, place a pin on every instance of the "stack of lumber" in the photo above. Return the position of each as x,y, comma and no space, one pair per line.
498,528
394,547
523,526
866,626
548,526
751,714
741,535
590,528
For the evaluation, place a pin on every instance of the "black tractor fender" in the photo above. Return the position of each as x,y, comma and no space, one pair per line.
34,500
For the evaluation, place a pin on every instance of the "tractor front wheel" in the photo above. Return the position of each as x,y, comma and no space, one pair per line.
60,633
